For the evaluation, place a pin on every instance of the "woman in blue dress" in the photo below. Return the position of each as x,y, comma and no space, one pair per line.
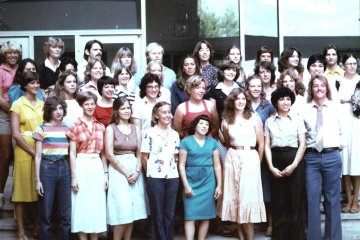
199,166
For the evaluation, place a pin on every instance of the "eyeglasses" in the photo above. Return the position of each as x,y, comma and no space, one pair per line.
351,64
152,87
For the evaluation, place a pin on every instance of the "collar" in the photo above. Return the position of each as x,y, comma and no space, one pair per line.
93,119
278,117
221,85
48,65
26,102
3,66
146,100
326,103
338,71
90,84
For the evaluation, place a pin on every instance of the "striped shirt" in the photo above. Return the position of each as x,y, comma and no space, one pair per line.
55,143
87,141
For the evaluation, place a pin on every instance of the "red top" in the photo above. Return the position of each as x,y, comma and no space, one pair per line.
190,116
103,114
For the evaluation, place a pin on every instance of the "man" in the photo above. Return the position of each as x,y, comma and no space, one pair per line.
93,49
322,159
155,52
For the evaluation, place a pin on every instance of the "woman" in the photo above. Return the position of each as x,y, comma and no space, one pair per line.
124,57
266,71
95,69
242,197
264,109
290,79
315,65
284,149
291,58
199,165
124,88
15,91
149,95
52,174
204,53
66,89
187,111
159,150
67,64
126,194
188,67
104,107
89,171
350,154
11,51
26,114
53,48
234,54
265,54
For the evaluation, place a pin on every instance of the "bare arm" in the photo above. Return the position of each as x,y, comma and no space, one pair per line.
135,175
144,159
215,119
105,167
217,169
38,185
15,128
74,182
178,120
259,136
182,166
4,105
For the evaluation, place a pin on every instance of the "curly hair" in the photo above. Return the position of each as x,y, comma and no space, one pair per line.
21,68
193,82
229,111
264,49
148,78
197,50
262,94
90,65
53,41
227,64
280,93
299,86
158,105
194,123
59,85
117,104
283,63
50,106
124,51
268,66
310,90
181,77
118,71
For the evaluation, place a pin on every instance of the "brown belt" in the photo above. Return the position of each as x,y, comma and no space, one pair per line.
243,147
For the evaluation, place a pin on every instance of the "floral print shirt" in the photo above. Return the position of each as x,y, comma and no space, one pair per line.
161,162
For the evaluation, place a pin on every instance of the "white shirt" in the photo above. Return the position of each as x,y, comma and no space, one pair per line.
82,69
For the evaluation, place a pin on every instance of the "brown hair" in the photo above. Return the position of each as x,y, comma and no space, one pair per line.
299,86
229,111
324,80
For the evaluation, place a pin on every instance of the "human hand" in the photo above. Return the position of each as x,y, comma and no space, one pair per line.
218,193
133,177
188,191
39,189
289,170
74,185
276,172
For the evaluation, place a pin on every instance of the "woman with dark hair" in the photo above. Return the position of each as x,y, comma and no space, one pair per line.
233,53
291,58
126,193
199,166
187,111
204,53
242,196
66,89
89,171
265,54
67,64
188,67
104,107
149,95
124,87
26,114
52,174
124,57
95,69
266,71
284,149
316,65
159,150
290,79
350,154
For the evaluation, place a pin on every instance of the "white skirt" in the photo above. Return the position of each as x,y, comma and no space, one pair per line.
125,202
88,205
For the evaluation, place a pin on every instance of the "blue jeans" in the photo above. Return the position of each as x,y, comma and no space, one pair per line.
162,199
55,179
323,170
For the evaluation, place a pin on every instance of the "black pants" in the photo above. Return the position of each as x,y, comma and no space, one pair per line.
288,197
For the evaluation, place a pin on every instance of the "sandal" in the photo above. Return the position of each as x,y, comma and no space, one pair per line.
269,232
354,209
23,237
346,208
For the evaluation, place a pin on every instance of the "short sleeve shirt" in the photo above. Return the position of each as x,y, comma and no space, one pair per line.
6,80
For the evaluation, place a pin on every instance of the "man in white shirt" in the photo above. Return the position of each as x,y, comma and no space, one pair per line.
322,159
93,49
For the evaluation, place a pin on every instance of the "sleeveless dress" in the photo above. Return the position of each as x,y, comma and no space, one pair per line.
125,202
242,196
190,116
201,177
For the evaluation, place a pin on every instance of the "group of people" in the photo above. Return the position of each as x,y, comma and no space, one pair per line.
115,145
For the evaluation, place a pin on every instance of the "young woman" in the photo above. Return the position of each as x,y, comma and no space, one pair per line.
52,174
204,53
66,89
265,54
188,67
233,53
351,153
11,52
26,114
316,65
95,69
284,149
242,197
126,193
124,87
124,57
187,111
266,71
104,107
291,58
159,150
200,172
89,171
67,64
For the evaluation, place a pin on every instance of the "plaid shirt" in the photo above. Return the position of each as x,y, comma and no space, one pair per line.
87,141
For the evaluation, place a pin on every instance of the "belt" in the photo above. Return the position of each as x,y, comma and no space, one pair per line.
242,147
283,149
325,150
53,160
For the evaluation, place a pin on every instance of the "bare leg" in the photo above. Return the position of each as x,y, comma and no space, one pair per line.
249,230
123,231
128,231
82,235
19,212
189,230
203,229
5,150
94,236
356,186
347,185
241,231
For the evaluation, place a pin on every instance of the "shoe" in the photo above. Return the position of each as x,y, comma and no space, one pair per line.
269,232
355,209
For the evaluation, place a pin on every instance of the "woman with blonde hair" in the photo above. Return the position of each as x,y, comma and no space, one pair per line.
124,57
95,69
